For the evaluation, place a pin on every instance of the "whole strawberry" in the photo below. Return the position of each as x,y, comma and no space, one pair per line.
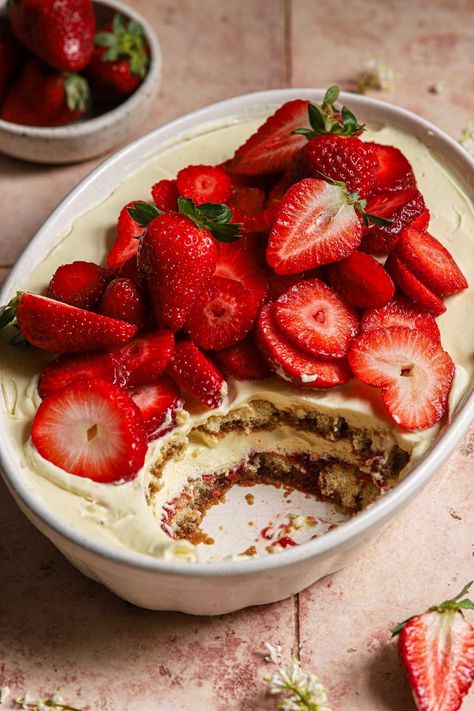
120,59
10,56
178,255
42,96
60,32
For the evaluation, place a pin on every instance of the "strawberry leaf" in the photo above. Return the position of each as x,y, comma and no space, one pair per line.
322,120
214,217
77,92
8,312
330,97
143,213
453,604
125,42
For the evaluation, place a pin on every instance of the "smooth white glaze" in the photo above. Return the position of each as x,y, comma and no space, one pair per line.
119,514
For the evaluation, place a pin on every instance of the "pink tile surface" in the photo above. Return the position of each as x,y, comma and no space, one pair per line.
58,629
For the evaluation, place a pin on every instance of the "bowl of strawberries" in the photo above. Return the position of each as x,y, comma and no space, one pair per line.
77,78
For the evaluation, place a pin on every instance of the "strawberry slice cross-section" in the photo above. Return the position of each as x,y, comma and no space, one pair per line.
414,372
92,429
195,373
158,403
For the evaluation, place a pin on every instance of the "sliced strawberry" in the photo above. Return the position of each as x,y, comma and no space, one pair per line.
158,404
92,429
402,208
414,372
79,284
271,148
243,361
394,172
221,316
412,287
422,221
126,243
195,373
263,221
276,194
237,261
60,328
67,368
315,319
361,281
400,312
430,262
315,225
204,183
437,651
165,195
248,200
147,356
122,299
293,364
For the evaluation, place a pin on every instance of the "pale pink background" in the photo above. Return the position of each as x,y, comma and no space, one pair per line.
58,629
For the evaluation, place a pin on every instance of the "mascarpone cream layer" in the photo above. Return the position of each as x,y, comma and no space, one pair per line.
118,514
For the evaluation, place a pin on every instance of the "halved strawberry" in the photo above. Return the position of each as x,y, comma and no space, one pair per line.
248,200
60,328
422,221
315,225
414,372
79,284
237,261
195,373
67,368
126,243
412,287
430,262
123,300
271,148
401,208
204,183
316,320
243,361
293,364
361,280
92,429
165,195
221,316
394,171
437,651
157,403
147,356
400,312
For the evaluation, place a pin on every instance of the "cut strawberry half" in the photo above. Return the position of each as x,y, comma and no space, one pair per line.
204,183
157,403
60,328
422,221
92,429
430,262
243,361
412,287
394,172
126,243
195,373
147,357
402,208
248,200
437,651
67,368
222,316
293,364
400,312
271,148
79,284
315,225
123,300
315,319
165,195
361,281
414,372
237,261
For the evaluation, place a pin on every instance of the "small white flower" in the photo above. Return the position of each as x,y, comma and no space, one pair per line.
299,690
467,138
376,75
274,653
4,694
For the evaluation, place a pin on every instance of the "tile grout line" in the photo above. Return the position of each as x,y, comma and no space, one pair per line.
287,41
297,623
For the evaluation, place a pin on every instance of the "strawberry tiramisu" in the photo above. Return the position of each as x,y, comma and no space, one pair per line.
270,319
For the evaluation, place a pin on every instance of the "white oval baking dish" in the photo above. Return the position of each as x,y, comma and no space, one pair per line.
220,587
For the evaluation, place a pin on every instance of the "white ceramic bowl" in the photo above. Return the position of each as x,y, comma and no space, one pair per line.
219,587
95,136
